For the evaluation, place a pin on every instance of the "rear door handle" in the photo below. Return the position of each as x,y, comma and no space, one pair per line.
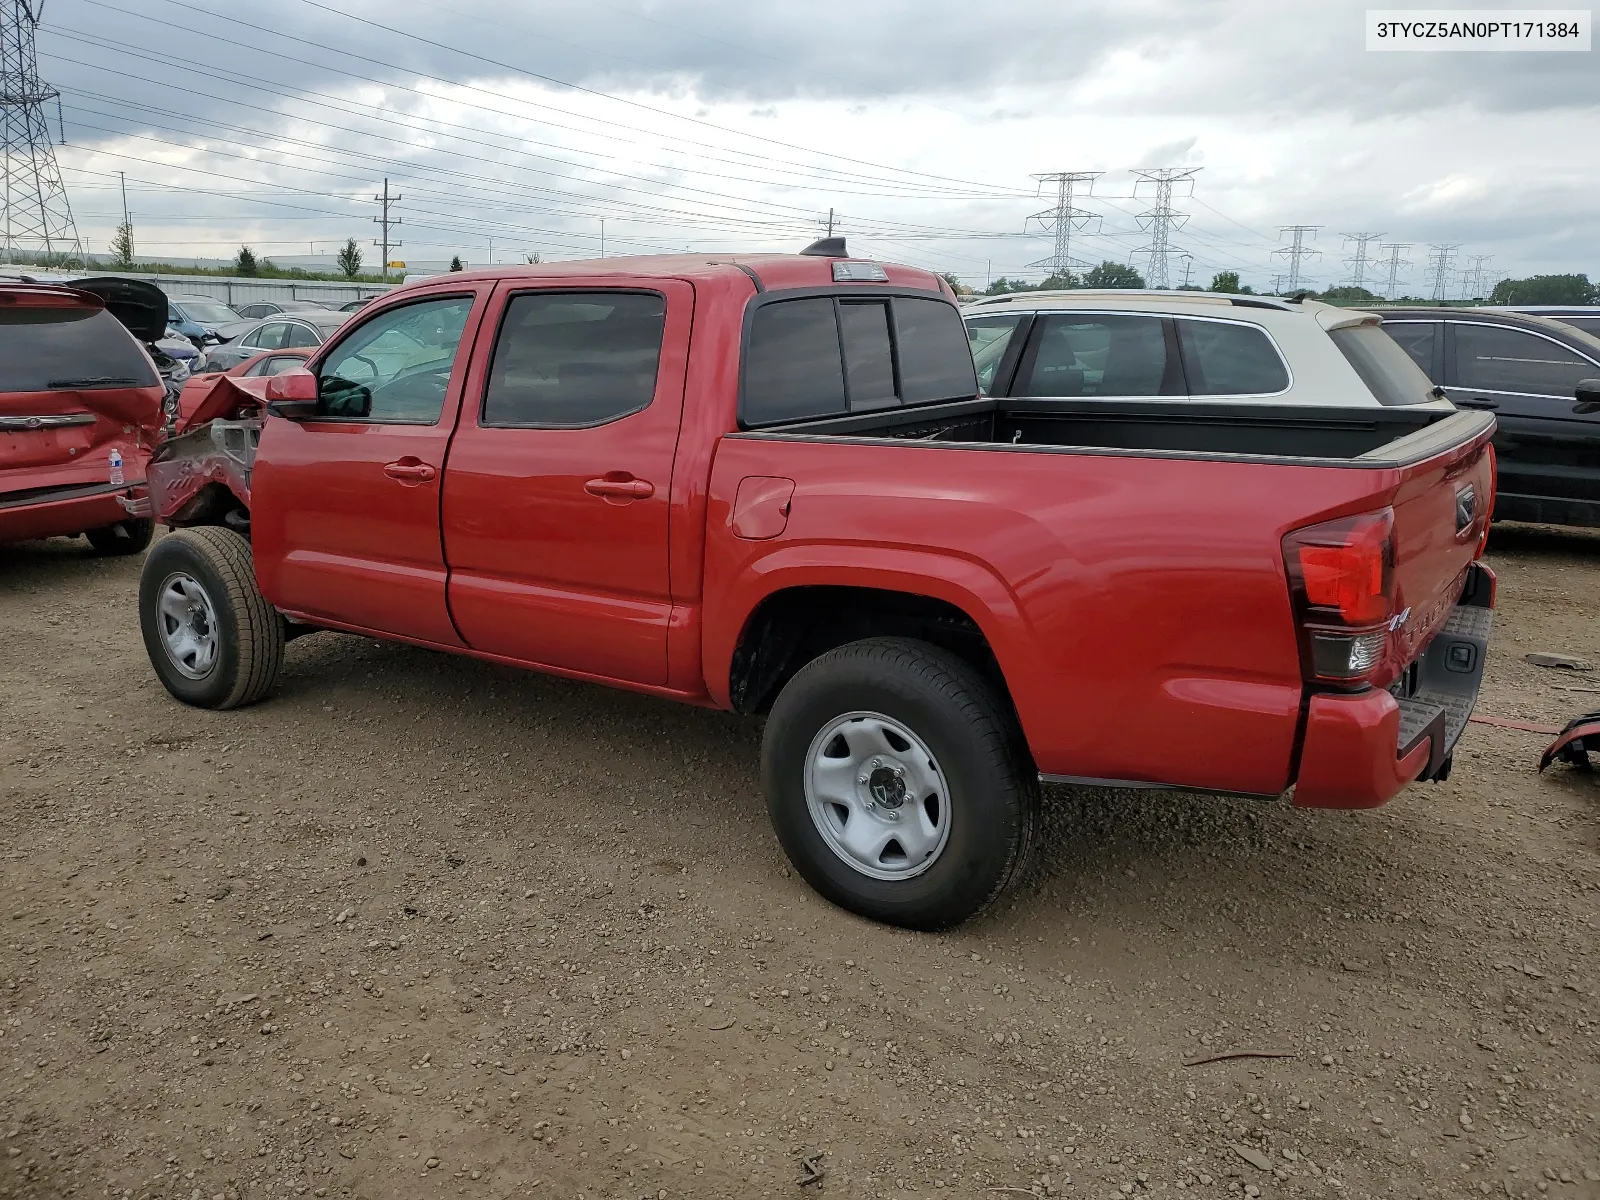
1478,402
410,470
627,489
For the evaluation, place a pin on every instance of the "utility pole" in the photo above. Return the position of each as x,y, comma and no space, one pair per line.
1064,217
386,221
1360,259
830,222
122,181
1277,284
34,211
1441,261
602,237
1297,251
1161,219
1395,263
1473,277
1188,265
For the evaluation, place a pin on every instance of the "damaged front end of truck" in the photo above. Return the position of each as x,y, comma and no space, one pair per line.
200,473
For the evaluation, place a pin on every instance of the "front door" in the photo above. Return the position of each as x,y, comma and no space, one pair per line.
345,504
1545,449
558,486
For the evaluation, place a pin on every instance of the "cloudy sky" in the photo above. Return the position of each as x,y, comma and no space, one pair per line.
515,129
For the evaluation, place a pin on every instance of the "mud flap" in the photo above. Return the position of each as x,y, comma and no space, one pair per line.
1571,747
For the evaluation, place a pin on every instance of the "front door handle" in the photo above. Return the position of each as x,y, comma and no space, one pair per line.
620,486
1478,402
410,470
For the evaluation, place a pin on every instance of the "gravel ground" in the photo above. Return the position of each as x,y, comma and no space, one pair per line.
423,926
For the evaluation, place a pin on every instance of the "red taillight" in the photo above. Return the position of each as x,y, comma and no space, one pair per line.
1341,578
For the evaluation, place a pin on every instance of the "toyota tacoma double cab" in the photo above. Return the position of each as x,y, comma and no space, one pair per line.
771,484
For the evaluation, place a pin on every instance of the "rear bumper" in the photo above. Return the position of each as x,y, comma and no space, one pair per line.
1360,750
64,517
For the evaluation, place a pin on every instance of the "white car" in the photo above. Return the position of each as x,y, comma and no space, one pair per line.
1189,347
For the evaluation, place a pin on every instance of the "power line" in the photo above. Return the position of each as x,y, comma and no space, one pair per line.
34,210
1064,217
1297,251
1161,218
1395,263
1359,260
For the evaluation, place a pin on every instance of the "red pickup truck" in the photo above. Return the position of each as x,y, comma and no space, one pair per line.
771,484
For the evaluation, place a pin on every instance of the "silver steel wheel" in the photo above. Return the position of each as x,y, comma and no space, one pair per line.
877,796
188,625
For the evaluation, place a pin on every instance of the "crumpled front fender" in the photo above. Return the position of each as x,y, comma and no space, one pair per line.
1573,745
219,451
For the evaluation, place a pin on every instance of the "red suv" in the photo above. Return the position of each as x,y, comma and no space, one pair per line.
80,411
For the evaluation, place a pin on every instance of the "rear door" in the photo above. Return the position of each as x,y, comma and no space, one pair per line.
345,505
1546,448
557,489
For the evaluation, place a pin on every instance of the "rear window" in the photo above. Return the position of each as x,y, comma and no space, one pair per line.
1222,358
1387,370
51,349
826,356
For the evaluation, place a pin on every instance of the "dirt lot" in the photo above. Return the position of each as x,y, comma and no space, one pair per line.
421,926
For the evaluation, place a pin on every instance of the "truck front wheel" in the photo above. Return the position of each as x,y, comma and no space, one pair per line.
897,783
212,637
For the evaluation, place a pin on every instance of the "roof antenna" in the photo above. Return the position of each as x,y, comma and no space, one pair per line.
1300,296
828,247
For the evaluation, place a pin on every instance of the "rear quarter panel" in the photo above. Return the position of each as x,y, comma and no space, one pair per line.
1137,605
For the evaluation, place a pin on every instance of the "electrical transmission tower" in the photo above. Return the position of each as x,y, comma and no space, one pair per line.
1441,261
1473,278
1395,263
1161,218
1359,261
34,212
1297,251
1064,217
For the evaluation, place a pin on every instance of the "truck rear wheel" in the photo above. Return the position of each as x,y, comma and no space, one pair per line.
124,537
212,637
897,783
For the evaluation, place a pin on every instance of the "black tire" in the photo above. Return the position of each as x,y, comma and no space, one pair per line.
124,537
249,632
972,736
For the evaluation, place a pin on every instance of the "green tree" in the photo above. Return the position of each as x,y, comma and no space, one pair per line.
1112,275
122,247
1060,283
1546,289
1358,294
533,260
244,263
349,259
1225,281
455,263
956,285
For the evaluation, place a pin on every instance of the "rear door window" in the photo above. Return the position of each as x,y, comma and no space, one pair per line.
1226,358
301,337
272,335
1110,354
50,349
574,359
1496,358
1416,338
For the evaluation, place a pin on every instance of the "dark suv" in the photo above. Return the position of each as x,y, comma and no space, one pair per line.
1529,371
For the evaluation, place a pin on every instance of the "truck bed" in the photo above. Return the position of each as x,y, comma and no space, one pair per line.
1366,436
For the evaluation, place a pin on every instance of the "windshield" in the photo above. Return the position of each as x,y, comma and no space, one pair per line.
210,311
52,349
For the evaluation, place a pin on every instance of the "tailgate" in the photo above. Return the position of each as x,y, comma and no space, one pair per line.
1441,517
